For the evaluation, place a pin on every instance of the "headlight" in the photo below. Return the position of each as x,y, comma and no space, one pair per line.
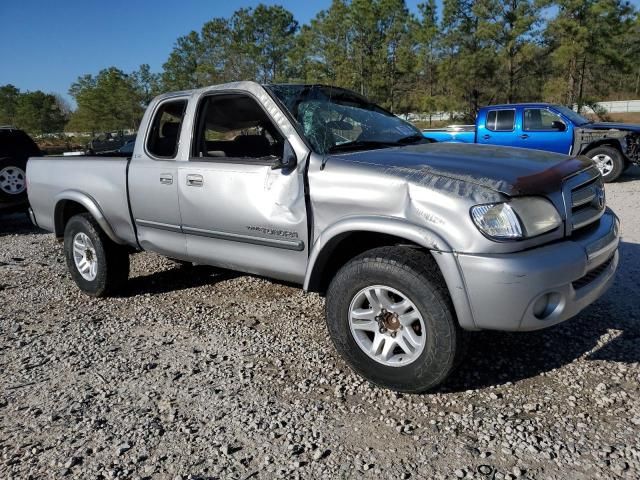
522,217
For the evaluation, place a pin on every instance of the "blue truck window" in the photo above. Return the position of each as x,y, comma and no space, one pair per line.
540,119
500,120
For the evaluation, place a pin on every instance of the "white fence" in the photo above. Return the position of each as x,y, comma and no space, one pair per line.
426,117
618,106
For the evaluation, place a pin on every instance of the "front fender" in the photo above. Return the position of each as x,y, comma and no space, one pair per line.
436,244
331,235
89,204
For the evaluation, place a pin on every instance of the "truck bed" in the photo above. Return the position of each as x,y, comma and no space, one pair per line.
52,178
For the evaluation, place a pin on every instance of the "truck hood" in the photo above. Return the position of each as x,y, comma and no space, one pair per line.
612,125
511,171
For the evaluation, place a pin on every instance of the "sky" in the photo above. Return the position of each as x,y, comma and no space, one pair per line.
47,44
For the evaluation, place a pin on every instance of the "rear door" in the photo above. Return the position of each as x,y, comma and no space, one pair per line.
238,212
498,128
153,181
543,129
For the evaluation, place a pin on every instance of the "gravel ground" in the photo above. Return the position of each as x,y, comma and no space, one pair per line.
198,373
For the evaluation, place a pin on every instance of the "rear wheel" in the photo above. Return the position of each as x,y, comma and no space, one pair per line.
390,317
13,180
609,160
97,265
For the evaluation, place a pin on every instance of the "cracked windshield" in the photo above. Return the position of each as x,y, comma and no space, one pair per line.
334,120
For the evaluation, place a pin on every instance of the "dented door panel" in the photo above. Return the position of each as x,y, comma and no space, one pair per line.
244,217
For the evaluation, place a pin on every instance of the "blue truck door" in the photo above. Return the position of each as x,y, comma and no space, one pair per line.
497,127
543,129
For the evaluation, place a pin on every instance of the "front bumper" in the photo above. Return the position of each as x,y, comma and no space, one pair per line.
541,287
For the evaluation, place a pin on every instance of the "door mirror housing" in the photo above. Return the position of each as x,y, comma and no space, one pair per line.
559,126
289,158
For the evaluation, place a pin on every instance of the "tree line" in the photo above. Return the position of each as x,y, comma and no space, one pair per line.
37,112
456,58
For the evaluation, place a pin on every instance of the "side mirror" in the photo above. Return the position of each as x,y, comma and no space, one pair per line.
558,125
289,159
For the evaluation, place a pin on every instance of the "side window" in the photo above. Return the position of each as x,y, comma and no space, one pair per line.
165,129
500,120
542,119
234,126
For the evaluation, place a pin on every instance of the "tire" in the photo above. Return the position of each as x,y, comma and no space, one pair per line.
409,275
111,260
13,182
609,160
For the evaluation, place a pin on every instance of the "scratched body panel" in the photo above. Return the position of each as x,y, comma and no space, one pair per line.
435,186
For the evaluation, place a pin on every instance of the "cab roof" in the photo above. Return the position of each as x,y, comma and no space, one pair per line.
513,105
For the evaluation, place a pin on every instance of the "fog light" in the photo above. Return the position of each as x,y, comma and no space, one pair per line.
546,304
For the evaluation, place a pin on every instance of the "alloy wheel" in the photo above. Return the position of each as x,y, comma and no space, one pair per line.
387,326
84,256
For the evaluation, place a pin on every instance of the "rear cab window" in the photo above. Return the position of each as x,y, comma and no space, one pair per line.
500,120
163,137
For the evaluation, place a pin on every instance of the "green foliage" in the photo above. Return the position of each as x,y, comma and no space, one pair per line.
254,44
36,112
511,30
8,103
457,57
588,41
112,100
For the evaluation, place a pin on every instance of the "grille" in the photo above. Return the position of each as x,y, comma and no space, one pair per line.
585,200
591,275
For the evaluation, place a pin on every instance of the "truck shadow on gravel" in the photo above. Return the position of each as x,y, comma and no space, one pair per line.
175,279
630,175
608,330
17,224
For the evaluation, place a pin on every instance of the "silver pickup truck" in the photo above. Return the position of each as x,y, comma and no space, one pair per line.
413,244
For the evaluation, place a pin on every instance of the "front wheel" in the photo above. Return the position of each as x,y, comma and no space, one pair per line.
390,317
609,161
97,265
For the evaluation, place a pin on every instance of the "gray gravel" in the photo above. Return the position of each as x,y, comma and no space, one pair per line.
198,373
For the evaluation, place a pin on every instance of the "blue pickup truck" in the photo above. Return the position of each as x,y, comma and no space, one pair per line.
554,128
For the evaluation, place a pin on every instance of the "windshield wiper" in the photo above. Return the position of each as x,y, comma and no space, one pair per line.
360,144
356,145
415,138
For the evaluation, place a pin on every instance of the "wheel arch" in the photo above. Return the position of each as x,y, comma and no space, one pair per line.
605,142
73,202
349,237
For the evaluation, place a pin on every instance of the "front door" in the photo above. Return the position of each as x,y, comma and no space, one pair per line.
153,183
543,129
238,212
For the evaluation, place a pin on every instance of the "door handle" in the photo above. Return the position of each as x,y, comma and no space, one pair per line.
195,180
486,137
524,136
166,178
